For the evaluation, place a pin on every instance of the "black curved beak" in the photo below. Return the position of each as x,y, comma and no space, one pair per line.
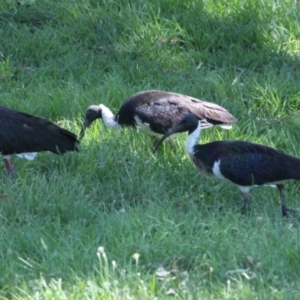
85,125
165,136
179,127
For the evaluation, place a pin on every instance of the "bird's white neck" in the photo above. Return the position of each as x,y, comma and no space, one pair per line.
108,117
192,139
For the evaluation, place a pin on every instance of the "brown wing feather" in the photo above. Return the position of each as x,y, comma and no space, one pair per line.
163,110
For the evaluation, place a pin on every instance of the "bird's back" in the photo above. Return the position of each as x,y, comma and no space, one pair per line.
247,163
162,110
21,132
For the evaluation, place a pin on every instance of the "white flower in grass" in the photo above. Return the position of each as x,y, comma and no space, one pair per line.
100,250
104,256
171,292
161,273
114,264
136,257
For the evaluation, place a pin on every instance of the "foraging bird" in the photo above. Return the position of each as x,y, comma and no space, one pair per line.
154,112
21,133
242,163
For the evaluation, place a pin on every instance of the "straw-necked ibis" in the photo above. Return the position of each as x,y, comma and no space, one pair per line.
24,134
243,163
154,112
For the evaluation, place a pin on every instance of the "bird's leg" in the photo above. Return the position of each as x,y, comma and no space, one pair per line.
154,140
246,202
172,145
284,209
10,168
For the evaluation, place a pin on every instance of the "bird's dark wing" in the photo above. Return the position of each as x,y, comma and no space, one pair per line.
21,132
161,115
164,112
246,163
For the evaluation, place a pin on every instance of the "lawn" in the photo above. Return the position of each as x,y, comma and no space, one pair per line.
115,221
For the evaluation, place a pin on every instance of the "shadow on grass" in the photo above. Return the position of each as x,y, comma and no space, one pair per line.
251,35
160,44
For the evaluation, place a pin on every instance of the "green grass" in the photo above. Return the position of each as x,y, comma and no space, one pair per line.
57,58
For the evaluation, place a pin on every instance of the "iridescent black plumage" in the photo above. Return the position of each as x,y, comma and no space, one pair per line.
21,132
157,111
242,163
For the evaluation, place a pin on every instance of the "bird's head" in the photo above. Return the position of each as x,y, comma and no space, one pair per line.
188,123
92,113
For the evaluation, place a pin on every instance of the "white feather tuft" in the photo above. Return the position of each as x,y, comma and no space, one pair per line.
28,156
228,127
